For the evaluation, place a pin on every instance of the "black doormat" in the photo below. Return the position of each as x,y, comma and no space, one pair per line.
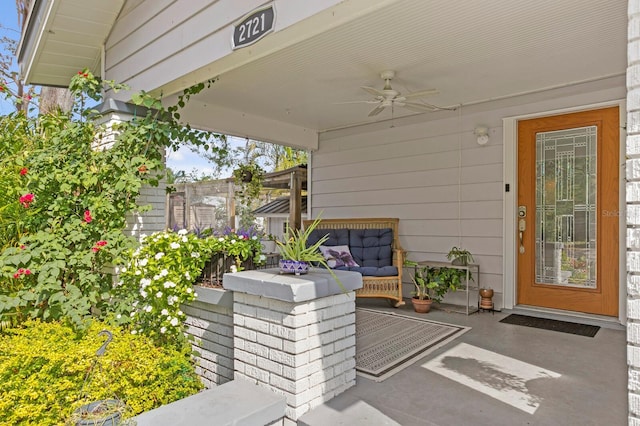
554,325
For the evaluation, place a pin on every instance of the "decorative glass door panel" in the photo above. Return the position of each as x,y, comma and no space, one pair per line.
566,195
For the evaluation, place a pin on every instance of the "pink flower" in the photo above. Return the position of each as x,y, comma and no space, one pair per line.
27,271
26,199
101,243
95,249
23,171
16,275
22,247
87,216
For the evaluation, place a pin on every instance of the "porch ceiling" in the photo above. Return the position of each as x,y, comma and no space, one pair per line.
470,51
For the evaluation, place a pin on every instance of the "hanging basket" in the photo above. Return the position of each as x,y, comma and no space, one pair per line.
107,412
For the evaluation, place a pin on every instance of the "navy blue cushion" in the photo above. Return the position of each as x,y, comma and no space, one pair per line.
372,247
337,237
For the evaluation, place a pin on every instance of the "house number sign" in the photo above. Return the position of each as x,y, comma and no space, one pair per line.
253,27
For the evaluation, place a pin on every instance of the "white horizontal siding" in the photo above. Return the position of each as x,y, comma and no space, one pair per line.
412,172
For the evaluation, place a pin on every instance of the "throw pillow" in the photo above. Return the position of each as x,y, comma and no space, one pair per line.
337,256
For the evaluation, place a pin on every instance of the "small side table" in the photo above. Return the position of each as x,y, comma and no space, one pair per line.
470,285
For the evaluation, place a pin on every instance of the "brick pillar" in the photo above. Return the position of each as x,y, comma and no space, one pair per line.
295,335
633,210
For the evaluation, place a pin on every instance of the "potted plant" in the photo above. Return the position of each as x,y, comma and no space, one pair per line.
432,284
296,255
422,280
460,256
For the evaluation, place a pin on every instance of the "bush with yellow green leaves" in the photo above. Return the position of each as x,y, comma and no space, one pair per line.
43,367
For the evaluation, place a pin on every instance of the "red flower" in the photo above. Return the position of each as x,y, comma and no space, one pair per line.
143,169
27,272
97,246
21,271
79,72
22,247
26,199
87,216
16,275
23,171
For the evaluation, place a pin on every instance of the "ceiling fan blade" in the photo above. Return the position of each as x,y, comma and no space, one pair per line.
421,93
413,106
357,102
377,110
373,91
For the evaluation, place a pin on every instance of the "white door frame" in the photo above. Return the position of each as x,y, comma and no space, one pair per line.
510,174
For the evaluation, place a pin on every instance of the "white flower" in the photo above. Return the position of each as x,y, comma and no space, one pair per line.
159,255
169,284
159,294
124,269
187,275
143,293
164,273
134,332
172,299
174,321
233,241
183,232
143,262
255,237
164,312
195,254
185,239
148,308
142,237
163,330
118,316
145,282
263,257
132,314
233,269
135,303
138,272
180,313
189,290
156,277
165,236
174,245
221,239
195,294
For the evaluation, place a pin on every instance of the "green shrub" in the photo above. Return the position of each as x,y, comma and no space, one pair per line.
43,367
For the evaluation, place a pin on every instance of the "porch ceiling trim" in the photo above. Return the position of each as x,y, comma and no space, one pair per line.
63,36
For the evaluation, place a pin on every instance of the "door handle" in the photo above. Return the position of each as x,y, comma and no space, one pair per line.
522,226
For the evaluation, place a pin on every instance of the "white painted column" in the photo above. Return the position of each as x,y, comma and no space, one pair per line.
295,334
633,211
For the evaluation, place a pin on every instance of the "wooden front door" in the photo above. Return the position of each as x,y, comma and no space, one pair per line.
568,212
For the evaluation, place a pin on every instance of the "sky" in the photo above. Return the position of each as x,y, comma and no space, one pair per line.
183,159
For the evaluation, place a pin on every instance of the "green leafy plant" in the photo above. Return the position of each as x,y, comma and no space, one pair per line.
43,367
65,204
433,282
295,245
460,256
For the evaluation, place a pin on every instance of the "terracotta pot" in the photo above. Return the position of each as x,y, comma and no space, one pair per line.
486,294
421,306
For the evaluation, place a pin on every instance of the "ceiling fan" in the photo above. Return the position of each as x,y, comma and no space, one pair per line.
388,97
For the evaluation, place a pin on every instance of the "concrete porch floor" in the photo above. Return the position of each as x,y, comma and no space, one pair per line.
590,387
